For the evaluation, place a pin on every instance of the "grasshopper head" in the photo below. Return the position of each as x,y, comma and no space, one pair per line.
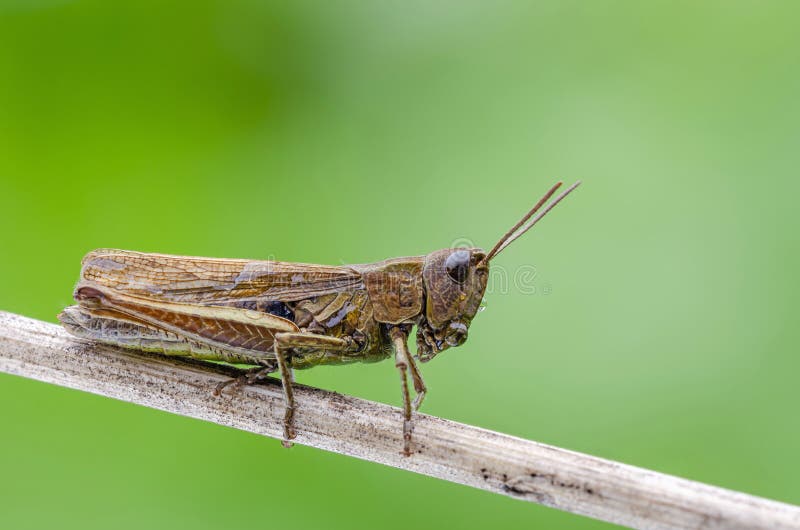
455,281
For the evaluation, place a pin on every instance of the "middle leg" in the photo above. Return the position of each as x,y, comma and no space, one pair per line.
284,344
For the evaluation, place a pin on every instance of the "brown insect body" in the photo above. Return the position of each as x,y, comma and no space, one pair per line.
356,303
279,315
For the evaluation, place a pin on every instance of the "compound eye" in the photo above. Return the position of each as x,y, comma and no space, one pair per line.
457,265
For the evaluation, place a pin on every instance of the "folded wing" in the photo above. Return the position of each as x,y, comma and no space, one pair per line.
212,281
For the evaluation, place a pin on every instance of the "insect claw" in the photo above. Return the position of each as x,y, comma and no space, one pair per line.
238,382
252,376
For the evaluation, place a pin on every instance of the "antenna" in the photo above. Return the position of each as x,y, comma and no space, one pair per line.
520,228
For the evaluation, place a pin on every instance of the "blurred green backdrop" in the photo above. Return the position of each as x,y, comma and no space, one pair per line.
663,330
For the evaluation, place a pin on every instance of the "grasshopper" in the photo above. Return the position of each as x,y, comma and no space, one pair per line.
277,316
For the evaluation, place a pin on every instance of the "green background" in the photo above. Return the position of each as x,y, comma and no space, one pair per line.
663,330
